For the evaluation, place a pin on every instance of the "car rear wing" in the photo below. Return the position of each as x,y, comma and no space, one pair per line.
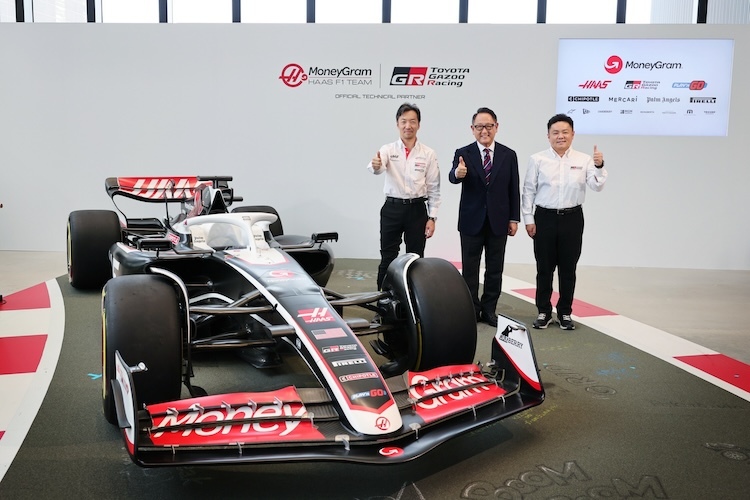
153,189
168,188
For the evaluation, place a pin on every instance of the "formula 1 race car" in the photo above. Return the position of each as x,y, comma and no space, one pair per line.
184,295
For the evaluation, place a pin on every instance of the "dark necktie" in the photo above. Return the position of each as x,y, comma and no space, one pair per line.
487,164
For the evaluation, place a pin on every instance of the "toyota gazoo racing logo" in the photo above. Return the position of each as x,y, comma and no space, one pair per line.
615,64
293,75
428,75
408,76
641,85
339,348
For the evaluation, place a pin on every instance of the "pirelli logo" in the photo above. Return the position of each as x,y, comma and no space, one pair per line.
703,100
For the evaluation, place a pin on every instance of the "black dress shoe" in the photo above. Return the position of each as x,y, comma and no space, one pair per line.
489,319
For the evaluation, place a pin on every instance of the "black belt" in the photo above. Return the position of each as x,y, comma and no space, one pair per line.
404,201
560,211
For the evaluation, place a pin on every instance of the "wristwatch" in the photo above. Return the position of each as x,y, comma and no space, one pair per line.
433,219
599,166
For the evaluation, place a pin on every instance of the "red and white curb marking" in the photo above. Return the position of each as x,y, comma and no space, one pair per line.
32,323
711,366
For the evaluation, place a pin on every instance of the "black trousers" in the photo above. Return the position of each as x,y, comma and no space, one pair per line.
399,219
557,244
494,261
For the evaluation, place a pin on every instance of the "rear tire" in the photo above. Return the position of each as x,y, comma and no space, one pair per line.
91,233
446,329
141,318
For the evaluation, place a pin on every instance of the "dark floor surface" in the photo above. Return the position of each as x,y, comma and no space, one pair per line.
617,423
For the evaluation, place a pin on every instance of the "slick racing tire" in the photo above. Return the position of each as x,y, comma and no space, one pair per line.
91,233
141,319
276,228
446,329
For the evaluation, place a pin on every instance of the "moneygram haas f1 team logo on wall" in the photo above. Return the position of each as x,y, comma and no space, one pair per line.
293,75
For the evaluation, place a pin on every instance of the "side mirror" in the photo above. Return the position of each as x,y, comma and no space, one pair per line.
321,237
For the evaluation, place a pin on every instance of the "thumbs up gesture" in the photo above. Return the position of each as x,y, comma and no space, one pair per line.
461,168
598,157
376,162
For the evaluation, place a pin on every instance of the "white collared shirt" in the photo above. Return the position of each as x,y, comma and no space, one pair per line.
417,176
554,181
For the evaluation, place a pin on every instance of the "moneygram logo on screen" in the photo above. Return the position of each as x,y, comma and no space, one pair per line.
615,64
646,86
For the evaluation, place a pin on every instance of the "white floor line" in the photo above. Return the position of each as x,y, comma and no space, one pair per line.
30,401
648,339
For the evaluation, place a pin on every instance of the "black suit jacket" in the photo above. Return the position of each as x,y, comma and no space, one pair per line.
500,200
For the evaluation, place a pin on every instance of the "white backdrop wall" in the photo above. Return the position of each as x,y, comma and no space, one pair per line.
79,103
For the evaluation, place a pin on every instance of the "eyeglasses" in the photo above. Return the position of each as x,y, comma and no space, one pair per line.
488,127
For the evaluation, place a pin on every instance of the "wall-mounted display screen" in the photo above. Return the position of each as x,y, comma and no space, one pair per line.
646,86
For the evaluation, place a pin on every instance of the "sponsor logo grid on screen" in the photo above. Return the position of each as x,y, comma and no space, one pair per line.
379,82
646,87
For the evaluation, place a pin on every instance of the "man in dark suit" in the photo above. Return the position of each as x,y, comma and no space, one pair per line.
489,210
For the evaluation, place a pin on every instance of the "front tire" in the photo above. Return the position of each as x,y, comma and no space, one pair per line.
446,329
91,233
141,318
432,302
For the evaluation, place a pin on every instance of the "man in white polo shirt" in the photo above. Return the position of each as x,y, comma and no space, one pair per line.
551,205
412,190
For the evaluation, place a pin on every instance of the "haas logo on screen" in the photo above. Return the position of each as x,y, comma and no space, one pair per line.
613,64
